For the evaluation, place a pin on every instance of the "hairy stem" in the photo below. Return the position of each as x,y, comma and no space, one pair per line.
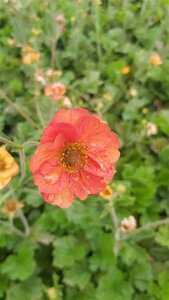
20,111
145,227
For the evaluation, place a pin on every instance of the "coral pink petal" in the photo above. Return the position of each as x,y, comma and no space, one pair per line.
63,198
57,131
94,184
71,116
105,157
43,152
77,187
94,168
93,133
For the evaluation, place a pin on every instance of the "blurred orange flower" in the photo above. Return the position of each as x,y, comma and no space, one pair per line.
155,59
126,70
8,167
29,55
55,91
106,193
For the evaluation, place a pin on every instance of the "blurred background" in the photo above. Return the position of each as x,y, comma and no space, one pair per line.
111,57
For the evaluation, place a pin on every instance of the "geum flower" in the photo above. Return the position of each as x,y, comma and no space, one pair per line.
8,167
76,157
55,91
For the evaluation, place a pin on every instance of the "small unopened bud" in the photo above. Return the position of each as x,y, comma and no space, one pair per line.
51,293
60,20
151,129
128,224
121,188
66,102
132,92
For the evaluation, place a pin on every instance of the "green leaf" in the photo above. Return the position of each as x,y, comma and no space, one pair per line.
114,286
21,265
162,236
78,276
67,250
140,275
103,256
31,289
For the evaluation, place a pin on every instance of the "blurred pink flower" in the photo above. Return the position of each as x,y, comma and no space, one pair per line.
55,91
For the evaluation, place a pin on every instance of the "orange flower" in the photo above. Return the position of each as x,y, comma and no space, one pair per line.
8,168
126,70
55,91
30,58
155,59
106,193
11,207
27,49
29,55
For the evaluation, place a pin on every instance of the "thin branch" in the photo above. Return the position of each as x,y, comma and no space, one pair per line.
24,222
30,143
145,227
20,111
8,142
22,162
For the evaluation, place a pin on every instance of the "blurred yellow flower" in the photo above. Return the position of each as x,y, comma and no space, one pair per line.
27,49
35,31
145,110
155,59
11,207
107,96
51,293
8,167
125,70
106,193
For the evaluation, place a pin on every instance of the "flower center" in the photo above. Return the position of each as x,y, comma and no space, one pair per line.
2,165
74,157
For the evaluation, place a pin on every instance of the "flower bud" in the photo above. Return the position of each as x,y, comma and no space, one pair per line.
128,224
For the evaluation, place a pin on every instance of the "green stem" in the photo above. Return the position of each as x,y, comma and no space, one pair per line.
22,162
115,222
10,143
145,227
30,143
24,222
20,110
39,113
11,226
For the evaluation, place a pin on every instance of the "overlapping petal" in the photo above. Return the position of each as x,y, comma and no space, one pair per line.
74,134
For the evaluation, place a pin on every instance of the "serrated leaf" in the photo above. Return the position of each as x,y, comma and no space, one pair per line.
67,250
78,276
31,289
114,286
21,265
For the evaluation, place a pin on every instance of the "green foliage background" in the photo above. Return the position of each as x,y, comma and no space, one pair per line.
71,250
